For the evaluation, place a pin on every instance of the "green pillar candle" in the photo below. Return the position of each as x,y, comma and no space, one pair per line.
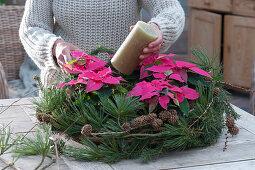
126,58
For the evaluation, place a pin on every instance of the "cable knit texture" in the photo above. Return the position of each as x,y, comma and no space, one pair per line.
88,23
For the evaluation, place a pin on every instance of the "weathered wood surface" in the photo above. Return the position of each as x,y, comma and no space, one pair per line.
240,153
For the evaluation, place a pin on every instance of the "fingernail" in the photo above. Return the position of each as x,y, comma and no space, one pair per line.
141,57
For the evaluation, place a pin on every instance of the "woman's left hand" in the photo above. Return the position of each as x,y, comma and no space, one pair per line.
153,46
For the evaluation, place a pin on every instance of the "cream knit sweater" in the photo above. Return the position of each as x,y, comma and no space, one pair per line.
88,23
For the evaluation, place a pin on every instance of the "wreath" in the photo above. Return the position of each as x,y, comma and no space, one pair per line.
164,105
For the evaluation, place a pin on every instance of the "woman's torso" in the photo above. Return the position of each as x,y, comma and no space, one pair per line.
88,23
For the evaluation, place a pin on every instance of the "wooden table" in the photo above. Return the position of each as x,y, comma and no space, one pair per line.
240,153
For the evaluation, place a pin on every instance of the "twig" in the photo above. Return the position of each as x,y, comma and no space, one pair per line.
50,163
40,164
28,132
8,165
142,135
233,86
107,133
56,152
157,153
229,108
226,142
206,110
17,101
8,124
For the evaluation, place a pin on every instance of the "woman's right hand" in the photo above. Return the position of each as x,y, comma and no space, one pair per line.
61,50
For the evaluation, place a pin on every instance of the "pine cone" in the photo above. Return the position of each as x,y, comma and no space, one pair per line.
46,118
38,115
126,127
173,112
233,130
137,122
173,119
165,115
145,120
230,122
216,92
156,123
86,130
152,116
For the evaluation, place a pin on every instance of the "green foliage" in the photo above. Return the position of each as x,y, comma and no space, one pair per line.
102,49
107,152
3,1
53,99
208,64
40,144
184,106
121,107
6,139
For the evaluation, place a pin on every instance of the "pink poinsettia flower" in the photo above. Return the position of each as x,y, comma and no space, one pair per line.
176,77
182,73
149,90
165,55
79,67
96,79
72,82
187,93
159,75
81,55
144,89
148,61
159,85
182,64
163,101
95,65
70,69
159,68
81,80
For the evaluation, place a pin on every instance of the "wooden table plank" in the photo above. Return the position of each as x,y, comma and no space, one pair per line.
240,152
244,164
246,121
17,101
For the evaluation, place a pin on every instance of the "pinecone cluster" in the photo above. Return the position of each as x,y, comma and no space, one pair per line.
232,128
86,130
43,118
150,119
169,116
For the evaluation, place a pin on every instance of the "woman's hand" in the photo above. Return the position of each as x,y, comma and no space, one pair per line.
61,50
153,46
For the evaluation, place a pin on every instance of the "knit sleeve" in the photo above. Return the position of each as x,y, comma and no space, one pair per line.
169,16
36,32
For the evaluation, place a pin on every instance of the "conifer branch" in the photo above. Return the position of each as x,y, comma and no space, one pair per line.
205,112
